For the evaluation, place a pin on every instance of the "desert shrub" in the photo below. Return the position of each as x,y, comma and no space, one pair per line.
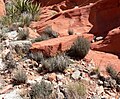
49,31
56,63
3,36
37,56
40,90
22,34
9,61
20,11
70,31
118,78
80,48
111,71
76,90
10,64
19,77
41,38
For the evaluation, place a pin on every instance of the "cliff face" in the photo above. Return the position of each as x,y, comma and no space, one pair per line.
105,16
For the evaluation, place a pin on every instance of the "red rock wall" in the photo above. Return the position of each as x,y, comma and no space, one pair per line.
105,16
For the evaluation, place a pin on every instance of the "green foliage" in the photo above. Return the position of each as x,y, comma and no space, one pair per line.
50,32
34,9
80,48
20,5
118,78
22,34
37,56
111,71
41,90
40,38
20,11
19,77
56,63
76,90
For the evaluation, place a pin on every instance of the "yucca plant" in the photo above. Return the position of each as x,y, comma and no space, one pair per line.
33,9
20,5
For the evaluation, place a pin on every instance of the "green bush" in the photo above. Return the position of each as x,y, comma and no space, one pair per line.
41,38
76,90
19,77
37,56
56,63
80,48
40,90
49,31
118,78
111,71
20,11
22,34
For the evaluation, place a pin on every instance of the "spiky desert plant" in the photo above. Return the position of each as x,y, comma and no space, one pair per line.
76,90
56,63
33,9
49,31
80,48
19,77
40,90
20,5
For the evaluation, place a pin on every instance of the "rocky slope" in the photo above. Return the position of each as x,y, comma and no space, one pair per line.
96,20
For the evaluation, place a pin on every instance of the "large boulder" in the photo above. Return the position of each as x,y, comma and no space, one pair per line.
104,16
110,43
53,46
102,60
2,8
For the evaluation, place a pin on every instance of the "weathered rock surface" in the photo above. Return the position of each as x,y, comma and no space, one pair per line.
110,43
104,16
64,18
11,95
102,60
2,8
53,46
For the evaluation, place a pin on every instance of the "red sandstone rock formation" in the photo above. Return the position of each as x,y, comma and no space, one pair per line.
104,16
53,46
99,17
102,60
2,8
111,43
